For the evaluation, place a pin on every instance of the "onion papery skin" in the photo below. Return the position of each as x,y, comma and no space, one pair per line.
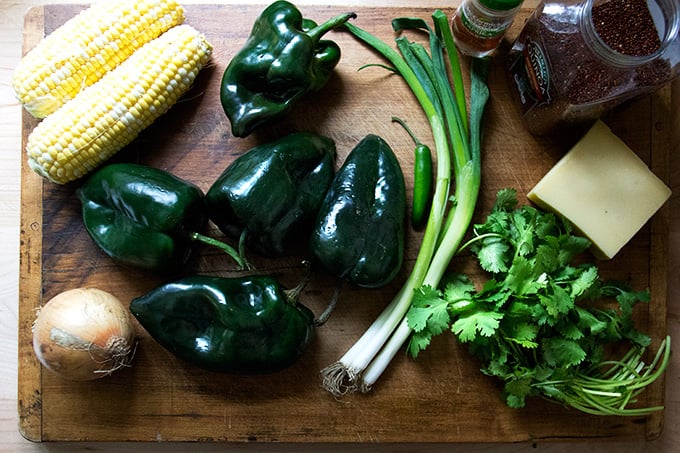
84,334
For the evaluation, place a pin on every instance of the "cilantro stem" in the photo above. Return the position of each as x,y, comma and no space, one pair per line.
610,392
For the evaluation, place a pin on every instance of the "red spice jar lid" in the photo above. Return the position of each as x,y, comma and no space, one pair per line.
501,5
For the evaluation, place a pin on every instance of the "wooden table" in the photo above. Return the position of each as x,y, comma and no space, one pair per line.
10,137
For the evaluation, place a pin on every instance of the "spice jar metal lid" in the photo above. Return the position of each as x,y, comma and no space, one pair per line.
501,5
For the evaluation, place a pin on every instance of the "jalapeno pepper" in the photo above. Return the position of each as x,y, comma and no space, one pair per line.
283,59
145,217
359,232
422,179
244,325
272,193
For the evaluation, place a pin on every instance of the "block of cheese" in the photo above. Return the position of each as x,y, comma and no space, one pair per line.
604,189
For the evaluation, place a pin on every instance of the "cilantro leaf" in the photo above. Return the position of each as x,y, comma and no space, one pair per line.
493,294
584,281
587,321
516,391
506,200
557,301
498,365
570,247
426,300
419,341
627,299
524,335
521,277
562,352
457,287
493,255
570,331
428,315
483,323
547,256
524,229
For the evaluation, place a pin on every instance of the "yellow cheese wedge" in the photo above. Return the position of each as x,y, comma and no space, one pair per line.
604,189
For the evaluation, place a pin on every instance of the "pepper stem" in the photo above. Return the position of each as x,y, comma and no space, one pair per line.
242,247
229,250
323,317
294,294
408,130
317,32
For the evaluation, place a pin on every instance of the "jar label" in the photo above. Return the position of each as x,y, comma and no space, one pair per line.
530,72
480,26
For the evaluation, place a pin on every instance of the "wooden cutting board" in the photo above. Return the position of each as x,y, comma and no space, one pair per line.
440,397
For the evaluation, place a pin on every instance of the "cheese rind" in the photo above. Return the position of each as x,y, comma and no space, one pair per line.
604,189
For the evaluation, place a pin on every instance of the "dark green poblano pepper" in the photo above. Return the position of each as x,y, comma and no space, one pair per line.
272,193
283,59
359,232
145,217
243,325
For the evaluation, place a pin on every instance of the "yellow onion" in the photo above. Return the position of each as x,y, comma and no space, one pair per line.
84,334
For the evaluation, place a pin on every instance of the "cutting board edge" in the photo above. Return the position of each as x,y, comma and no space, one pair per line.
659,231
29,391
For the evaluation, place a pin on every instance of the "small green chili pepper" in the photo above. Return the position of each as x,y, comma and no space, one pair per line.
243,325
283,59
422,179
359,233
145,217
270,195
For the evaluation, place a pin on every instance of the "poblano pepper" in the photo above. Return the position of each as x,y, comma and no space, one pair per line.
283,59
145,217
244,325
272,193
359,233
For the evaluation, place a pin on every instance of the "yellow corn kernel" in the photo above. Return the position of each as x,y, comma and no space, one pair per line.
78,137
86,47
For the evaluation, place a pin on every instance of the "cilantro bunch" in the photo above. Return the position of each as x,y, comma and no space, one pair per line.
541,322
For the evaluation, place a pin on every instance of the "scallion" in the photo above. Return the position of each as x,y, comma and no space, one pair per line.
457,140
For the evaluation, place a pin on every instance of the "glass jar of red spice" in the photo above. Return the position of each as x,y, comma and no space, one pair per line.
576,59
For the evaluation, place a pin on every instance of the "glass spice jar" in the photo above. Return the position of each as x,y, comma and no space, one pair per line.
478,26
576,59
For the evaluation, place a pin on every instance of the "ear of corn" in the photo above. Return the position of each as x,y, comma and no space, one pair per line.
105,117
86,47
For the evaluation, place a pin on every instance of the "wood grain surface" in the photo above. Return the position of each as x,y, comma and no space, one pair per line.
161,399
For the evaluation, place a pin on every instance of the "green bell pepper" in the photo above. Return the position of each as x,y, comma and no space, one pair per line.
271,194
283,59
243,325
359,232
144,217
